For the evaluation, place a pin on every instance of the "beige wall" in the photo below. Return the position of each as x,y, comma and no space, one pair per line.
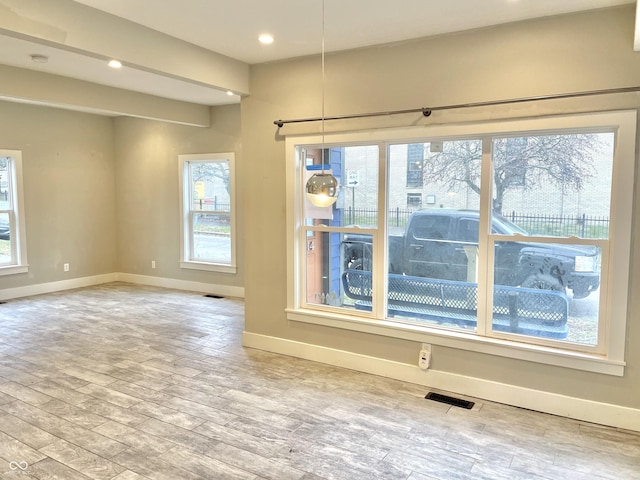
101,193
69,190
148,221
586,51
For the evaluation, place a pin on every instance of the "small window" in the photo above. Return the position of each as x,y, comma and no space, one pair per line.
415,165
208,223
414,200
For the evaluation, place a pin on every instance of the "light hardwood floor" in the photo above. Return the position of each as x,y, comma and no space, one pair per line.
130,382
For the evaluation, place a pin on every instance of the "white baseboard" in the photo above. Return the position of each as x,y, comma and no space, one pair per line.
210,288
41,288
570,407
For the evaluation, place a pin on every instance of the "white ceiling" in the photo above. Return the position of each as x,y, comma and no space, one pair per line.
231,28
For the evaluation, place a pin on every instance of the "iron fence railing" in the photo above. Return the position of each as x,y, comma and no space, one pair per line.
398,217
210,204
584,226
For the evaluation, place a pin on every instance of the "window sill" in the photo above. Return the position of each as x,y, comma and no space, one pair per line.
209,267
13,269
463,341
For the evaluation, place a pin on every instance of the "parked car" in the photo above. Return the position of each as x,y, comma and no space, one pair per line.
5,229
435,244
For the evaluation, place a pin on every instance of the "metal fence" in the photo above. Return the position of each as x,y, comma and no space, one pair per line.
584,226
210,204
398,217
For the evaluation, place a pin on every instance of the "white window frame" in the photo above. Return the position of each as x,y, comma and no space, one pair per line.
613,305
19,263
186,215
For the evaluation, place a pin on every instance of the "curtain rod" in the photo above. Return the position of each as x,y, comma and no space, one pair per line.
426,111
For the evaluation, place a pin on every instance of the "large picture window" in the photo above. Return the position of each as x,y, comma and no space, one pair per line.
526,247
208,223
13,243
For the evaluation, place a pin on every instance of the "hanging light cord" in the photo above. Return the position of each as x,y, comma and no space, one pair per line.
322,149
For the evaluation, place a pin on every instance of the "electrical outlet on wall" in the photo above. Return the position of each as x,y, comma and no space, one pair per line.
424,358
153,264
66,267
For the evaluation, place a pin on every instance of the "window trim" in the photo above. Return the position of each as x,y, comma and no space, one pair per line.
19,247
186,213
612,362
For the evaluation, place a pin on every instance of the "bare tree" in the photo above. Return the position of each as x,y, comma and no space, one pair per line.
567,161
209,171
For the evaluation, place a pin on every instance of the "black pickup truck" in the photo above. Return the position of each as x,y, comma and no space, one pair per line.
438,243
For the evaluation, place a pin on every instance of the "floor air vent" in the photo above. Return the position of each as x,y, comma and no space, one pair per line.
213,296
456,402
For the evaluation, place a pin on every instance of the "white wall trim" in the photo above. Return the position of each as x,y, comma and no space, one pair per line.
209,288
570,407
41,288
461,340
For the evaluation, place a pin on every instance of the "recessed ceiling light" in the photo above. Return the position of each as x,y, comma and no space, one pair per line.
230,93
266,39
115,64
38,58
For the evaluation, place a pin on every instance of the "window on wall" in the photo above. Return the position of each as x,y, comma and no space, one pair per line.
208,219
525,253
13,250
414,200
415,163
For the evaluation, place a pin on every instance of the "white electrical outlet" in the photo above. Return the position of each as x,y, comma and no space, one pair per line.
66,267
424,358
153,264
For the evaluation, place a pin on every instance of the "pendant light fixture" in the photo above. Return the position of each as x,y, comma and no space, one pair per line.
322,188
